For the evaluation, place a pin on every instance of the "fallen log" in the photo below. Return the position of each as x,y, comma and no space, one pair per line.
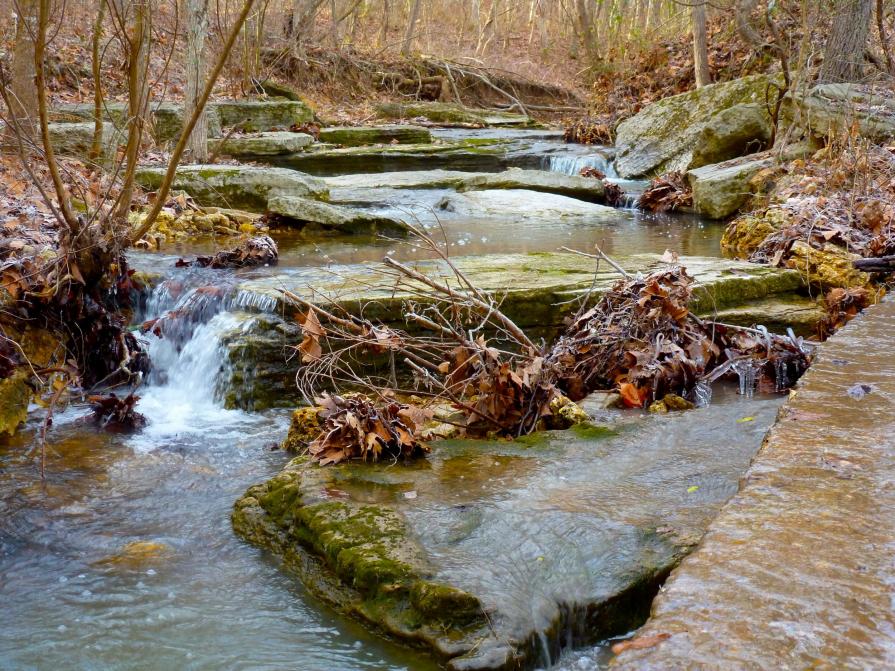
879,264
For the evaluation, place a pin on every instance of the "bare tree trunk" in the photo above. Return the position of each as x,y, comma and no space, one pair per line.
883,38
655,14
23,93
138,99
700,45
383,30
96,146
844,53
586,29
196,27
411,28
304,14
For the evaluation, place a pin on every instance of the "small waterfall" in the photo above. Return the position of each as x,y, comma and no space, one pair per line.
572,164
182,393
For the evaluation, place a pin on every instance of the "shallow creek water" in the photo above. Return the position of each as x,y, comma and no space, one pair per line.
125,558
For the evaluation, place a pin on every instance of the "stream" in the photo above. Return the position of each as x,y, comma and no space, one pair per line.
125,557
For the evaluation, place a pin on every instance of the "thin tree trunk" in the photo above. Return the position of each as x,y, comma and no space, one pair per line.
844,53
23,93
883,38
700,46
304,14
138,100
586,29
96,146
411,28
655,14
383,30
196,27
168,180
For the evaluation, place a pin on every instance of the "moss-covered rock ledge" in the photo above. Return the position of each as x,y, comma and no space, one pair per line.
360,557
495,555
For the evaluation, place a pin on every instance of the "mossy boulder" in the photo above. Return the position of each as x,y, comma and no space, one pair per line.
572,186
827,267
255,145
171,226
15,395
76,139
721,189
832,109
356,136
323,217
255,116
304,427
235,186
708,125
359,557
449,114
745,234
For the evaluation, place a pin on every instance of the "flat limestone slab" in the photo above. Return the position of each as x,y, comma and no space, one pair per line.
471,154
721,189
333,218
495,555
796,572
76,139
403,179
356,136
537,291
535,288
256,145
572,186
448,114
235,186
524,203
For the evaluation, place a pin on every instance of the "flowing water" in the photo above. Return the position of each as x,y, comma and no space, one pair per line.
124,557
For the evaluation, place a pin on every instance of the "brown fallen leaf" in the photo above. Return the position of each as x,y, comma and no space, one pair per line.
639,643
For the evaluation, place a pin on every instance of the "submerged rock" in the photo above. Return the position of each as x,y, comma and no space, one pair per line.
449,114
355,136
708,125
235,186
333,218
573,186
495,555
403,179
252,145
523,203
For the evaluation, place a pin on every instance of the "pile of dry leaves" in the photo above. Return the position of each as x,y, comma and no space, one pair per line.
612,193
258,251
353,427
666,193
846,199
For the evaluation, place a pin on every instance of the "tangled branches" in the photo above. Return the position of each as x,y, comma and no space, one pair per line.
640,338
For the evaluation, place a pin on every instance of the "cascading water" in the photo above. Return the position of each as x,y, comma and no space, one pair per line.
572,164
182,393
